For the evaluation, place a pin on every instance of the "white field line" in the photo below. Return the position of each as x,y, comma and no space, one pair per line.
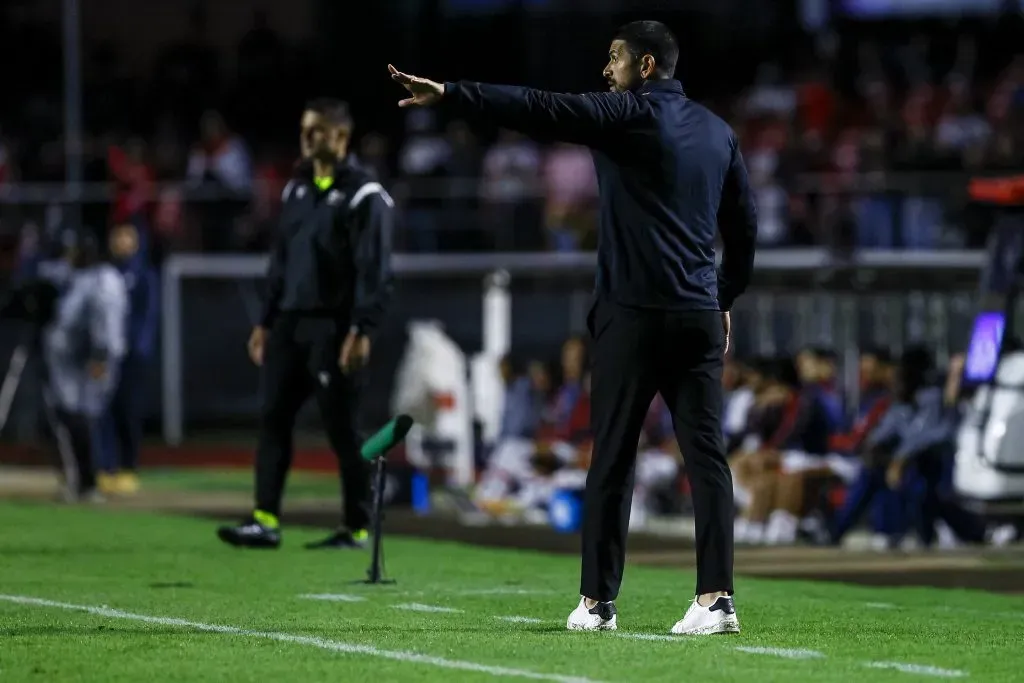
419,607
651,636
321,643
786,653
919,669
781,652
333,597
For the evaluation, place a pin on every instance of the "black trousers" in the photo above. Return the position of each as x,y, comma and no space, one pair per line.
301,359
636,354
73,433
937,502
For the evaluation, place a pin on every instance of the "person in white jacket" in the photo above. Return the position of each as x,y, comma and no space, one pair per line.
83,346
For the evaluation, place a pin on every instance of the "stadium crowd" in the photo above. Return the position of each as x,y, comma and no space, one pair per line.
807,466
876,160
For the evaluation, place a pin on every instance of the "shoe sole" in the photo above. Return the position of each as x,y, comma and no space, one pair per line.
721,628
606,626
236,542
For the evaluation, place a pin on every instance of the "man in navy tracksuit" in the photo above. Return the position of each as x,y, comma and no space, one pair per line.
120,429
671,176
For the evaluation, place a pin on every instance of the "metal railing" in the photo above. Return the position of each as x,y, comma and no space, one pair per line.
880,210
530,303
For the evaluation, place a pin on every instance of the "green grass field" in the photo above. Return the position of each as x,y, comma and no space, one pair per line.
97,595
300,485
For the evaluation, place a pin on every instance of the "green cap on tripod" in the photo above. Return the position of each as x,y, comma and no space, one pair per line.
389,436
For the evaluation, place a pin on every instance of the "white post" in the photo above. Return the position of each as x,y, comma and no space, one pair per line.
171,339
497,319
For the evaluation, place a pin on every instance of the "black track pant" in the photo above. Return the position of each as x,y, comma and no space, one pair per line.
638,353
301,359
74,436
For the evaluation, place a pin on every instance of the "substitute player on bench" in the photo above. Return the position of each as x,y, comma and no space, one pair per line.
329,283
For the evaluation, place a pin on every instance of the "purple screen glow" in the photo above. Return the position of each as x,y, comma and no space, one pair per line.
983,351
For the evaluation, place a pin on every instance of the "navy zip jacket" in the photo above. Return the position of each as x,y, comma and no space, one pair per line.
670,175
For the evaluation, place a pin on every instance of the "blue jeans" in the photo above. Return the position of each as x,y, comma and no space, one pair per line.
875,216
118,433
921,222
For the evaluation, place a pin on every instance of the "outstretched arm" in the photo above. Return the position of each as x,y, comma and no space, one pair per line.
582,119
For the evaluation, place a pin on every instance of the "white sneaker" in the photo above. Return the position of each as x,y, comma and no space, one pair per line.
719,617
1003,535
600,617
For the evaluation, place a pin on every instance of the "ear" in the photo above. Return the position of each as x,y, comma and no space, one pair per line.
647,66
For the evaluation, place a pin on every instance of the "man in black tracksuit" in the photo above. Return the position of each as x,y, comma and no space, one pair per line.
329,283
670,175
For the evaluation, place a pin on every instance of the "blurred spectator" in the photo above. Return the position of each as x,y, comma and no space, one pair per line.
270,180
818,373
463,170
524,399
816,102
186,74
770,96
959,125
220,174
373,154
570,185
134,180
422,160
742,382
31,250
6,160
260,53
876,377
511,168
511,460
573,364
772,223
120,427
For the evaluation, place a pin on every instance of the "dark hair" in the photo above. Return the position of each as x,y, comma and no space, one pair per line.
917,358
783,371
825,353
916,370
335,111
880,354
655,39
83,244
762,365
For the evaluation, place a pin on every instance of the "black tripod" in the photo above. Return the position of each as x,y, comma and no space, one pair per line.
375,574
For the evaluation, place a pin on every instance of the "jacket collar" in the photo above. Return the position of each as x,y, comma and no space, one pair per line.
661,85
304,168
